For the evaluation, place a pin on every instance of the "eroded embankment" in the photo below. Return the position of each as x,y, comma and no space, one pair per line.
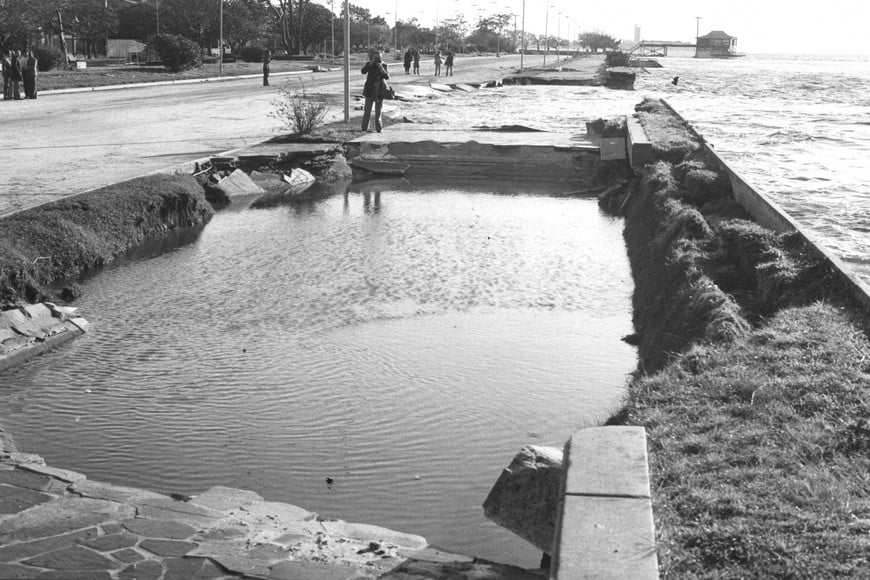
67,238
753,380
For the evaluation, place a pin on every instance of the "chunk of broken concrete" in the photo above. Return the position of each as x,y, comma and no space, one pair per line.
526,496
233,185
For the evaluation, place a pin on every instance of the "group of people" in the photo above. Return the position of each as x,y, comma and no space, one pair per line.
448,63
19,70
412,56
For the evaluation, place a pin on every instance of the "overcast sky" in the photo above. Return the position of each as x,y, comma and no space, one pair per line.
761,26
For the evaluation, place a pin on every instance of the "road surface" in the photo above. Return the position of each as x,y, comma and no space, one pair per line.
63,144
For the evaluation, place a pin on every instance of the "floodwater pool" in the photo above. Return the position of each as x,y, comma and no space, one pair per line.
403,339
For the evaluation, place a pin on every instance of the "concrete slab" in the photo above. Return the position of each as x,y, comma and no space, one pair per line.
639,145
73,558
159,528
107,491
61,474
16,499
23,550
60,516
226,498
609,461
606,538
415,133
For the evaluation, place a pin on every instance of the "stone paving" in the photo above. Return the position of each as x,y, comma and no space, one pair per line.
57,524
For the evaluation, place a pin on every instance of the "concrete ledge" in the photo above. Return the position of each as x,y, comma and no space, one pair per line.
605,527
33,329
639,145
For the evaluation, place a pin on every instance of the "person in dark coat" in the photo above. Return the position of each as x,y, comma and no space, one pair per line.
408,59
448,64
373,91
16,75
7,76
437,61
267,66
30,64
416,61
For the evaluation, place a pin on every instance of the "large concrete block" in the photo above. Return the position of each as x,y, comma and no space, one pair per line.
607,461
639,145
606,538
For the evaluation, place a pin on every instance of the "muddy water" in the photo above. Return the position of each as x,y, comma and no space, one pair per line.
403,342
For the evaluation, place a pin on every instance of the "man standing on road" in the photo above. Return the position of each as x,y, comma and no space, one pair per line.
267,65
437,63
30,64
16,75
7,76
374,89
416,61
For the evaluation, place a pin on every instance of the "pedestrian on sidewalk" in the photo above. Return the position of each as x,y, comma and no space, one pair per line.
408,59
448,64
416,61
7,76
374,89
267,66
437,63
30,66
16,75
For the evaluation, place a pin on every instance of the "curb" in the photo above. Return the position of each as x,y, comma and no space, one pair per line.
166,83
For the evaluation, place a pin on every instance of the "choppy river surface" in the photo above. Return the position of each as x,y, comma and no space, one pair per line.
795,127
404,343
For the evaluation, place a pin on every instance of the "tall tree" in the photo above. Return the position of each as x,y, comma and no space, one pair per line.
197,20
289,15
92,21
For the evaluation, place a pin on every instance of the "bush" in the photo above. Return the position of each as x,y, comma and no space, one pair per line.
48,57
252,53
177,53
617,58
301,111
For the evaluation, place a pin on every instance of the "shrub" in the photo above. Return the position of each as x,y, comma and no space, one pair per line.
617,58
301,111
252,53
48,57
177,53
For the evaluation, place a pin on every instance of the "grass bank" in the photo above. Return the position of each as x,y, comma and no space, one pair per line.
753,383
101,76
70,237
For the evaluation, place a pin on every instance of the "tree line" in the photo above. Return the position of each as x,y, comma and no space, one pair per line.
291,26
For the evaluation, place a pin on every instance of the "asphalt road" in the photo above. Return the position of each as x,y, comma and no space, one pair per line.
63,144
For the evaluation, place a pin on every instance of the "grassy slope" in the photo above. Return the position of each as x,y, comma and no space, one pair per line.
754,385
64,239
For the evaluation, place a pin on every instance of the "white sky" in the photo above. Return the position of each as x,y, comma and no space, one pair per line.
761,26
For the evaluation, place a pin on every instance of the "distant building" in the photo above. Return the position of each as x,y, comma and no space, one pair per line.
636,33
716,44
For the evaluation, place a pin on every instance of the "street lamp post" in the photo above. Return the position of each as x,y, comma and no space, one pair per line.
697,32
523,39
558,35
546,38
332,27
346,61
396,27
221,44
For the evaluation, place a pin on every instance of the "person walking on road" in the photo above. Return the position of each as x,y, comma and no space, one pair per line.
16,75
30,66
416,56
408,59
7,76
437,63
267,66
374,89
448,64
